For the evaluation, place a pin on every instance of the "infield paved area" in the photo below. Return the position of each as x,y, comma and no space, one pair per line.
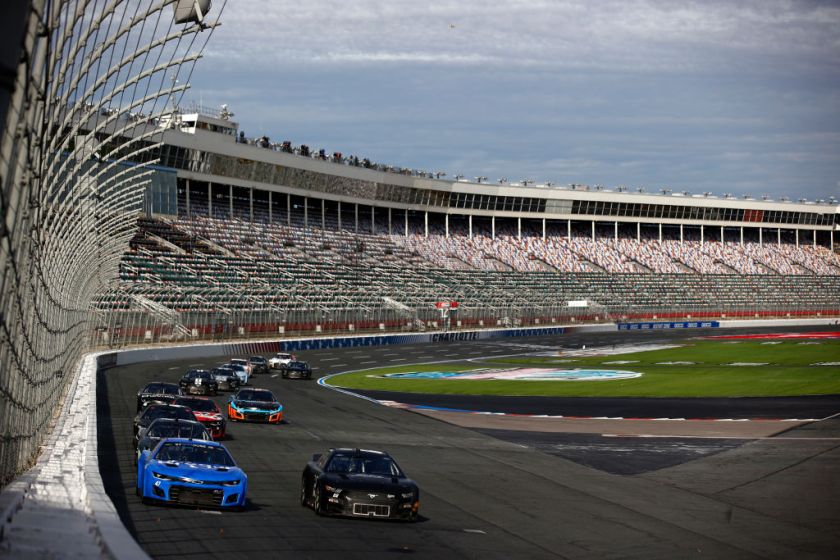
489,492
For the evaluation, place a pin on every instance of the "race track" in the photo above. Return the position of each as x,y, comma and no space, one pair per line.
488,492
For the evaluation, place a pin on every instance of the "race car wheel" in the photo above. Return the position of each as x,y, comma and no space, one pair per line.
284,374
318,506
304,501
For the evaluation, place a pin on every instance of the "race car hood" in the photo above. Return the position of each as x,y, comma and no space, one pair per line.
207,416
193,471
369,482
257,405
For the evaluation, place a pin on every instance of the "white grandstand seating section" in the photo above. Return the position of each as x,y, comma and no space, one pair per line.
236,264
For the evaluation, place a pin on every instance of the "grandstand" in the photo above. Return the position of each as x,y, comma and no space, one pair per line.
253,239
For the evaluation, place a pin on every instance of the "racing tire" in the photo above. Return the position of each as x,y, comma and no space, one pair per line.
318,504
304,499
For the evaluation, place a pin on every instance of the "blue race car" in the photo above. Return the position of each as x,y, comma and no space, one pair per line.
255,405
191,472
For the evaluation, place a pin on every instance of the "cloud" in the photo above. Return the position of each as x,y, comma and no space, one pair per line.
612,34
708,95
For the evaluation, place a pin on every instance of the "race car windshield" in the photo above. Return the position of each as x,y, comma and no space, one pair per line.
176,429
298,365
200,405
223,372
198,454
257,359
262,396
239,362
350,464
156,412
161,388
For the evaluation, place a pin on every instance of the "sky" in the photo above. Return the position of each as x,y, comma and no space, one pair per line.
707,96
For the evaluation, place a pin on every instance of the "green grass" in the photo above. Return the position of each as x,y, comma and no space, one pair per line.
788,372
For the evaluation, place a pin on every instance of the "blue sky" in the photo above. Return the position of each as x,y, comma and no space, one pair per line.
728,97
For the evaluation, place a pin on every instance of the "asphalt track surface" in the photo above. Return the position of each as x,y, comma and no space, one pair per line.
489,493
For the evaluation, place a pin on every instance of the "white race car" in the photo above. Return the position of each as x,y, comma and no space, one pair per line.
241,362
280,359
241,371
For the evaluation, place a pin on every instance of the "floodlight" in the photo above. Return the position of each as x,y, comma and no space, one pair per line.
191,11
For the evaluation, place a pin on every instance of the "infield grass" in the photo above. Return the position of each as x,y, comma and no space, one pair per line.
787,370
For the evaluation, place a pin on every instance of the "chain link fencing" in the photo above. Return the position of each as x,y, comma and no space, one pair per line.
93,80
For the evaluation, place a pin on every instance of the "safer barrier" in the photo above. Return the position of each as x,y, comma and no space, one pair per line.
138,355
664,325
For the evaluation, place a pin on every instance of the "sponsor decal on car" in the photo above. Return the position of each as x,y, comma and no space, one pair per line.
521,374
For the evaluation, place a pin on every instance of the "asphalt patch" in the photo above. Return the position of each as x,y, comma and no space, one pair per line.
617,455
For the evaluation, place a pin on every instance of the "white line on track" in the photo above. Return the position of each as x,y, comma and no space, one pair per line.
371,362
329,359
175,367
210,511
273,375
398,360
476,531
662,436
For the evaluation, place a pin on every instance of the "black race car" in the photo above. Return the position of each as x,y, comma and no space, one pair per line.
296,370
163,428
157,391
226,378
358,483
155,410
258,364
199,382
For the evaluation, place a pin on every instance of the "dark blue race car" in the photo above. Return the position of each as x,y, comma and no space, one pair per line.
191,472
